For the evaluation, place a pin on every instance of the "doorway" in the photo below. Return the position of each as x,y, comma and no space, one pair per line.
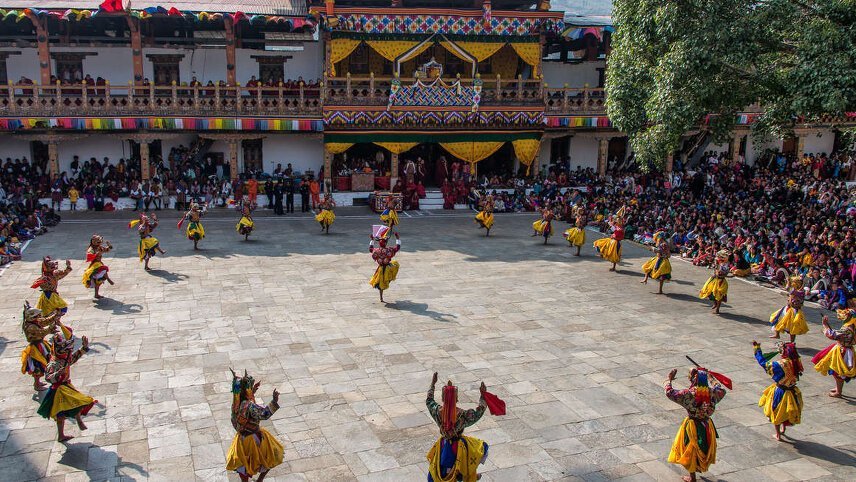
253,160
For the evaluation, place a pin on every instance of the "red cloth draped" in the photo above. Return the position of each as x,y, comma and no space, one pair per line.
494,404
112,6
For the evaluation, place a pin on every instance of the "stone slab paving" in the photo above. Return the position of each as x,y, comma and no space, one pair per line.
578,353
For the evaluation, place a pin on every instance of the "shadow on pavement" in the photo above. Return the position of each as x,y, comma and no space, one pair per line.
420,309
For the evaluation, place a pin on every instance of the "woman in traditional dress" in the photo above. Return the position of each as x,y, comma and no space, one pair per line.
485,217
62,400
658,268
97,272
610,248
326,217
254,450
782,401
246,224
576,236
838,358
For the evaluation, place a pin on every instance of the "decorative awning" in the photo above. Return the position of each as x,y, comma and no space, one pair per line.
428,137
249,7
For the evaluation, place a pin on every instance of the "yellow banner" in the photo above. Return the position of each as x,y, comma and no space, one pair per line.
526,151
339,49
471,152
397,147
479,50
337,147
391,49
530,53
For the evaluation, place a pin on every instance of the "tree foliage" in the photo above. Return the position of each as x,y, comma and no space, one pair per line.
675,61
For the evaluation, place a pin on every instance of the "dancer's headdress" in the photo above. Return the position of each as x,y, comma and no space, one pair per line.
31,313
848,316
61,344
96,239
449,414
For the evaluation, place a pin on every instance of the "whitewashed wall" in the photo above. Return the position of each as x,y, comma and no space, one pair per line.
26,64
97,146
815,144
557,74
584,152
14,148
303,151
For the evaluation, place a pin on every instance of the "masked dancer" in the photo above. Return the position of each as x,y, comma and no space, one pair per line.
148,245
838,358
37,353
326,217
485,217
782,401
715,288
97,272
50,301
790,318
246,224
610,248
254,450
544,226
387,268
694,446
195,232
454,456
658,268
576,236
389,216
62,400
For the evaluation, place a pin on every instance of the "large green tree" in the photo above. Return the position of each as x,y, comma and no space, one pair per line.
673,62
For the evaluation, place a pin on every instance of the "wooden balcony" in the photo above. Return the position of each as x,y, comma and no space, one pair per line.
175,100
370,90
574,101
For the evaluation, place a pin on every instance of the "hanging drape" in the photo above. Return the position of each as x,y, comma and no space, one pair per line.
504,63
391,49
397,147
337,147
416,52
530,52
471,151
339,49
526,151
479,50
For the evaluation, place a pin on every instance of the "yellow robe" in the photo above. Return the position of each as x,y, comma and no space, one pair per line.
195,229
575,236
834,361
87,275
786,319
686,450
254,456
608,249
49,305
715,289
789,408
325,217
485,219
656,272
382,278
145,245
244,222
468,459
390,219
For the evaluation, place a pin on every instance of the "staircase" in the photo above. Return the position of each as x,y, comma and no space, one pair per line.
434,201
697,146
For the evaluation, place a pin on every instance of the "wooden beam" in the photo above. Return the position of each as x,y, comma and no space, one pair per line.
231,77
136,48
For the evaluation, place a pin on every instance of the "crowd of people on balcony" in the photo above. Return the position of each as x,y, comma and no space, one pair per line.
73,84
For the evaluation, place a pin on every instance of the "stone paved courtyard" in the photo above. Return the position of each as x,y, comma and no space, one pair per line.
578,353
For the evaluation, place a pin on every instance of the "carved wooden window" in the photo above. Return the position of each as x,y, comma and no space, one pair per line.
165,69
69,66
271,68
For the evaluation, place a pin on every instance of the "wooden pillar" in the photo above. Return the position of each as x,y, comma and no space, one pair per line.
602,151
800,145
670,162
41,24
136,49
233,159
735,147
231,78
145,163
328,170
393,170
53,158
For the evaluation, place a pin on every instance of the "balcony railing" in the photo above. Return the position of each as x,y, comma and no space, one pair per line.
373,90
173,100
574,101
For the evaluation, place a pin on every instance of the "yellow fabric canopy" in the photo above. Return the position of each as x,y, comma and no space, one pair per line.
479,50
526,151
397,147
504,63
337,147
530,53
416,52
391,49
339,49
472,151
